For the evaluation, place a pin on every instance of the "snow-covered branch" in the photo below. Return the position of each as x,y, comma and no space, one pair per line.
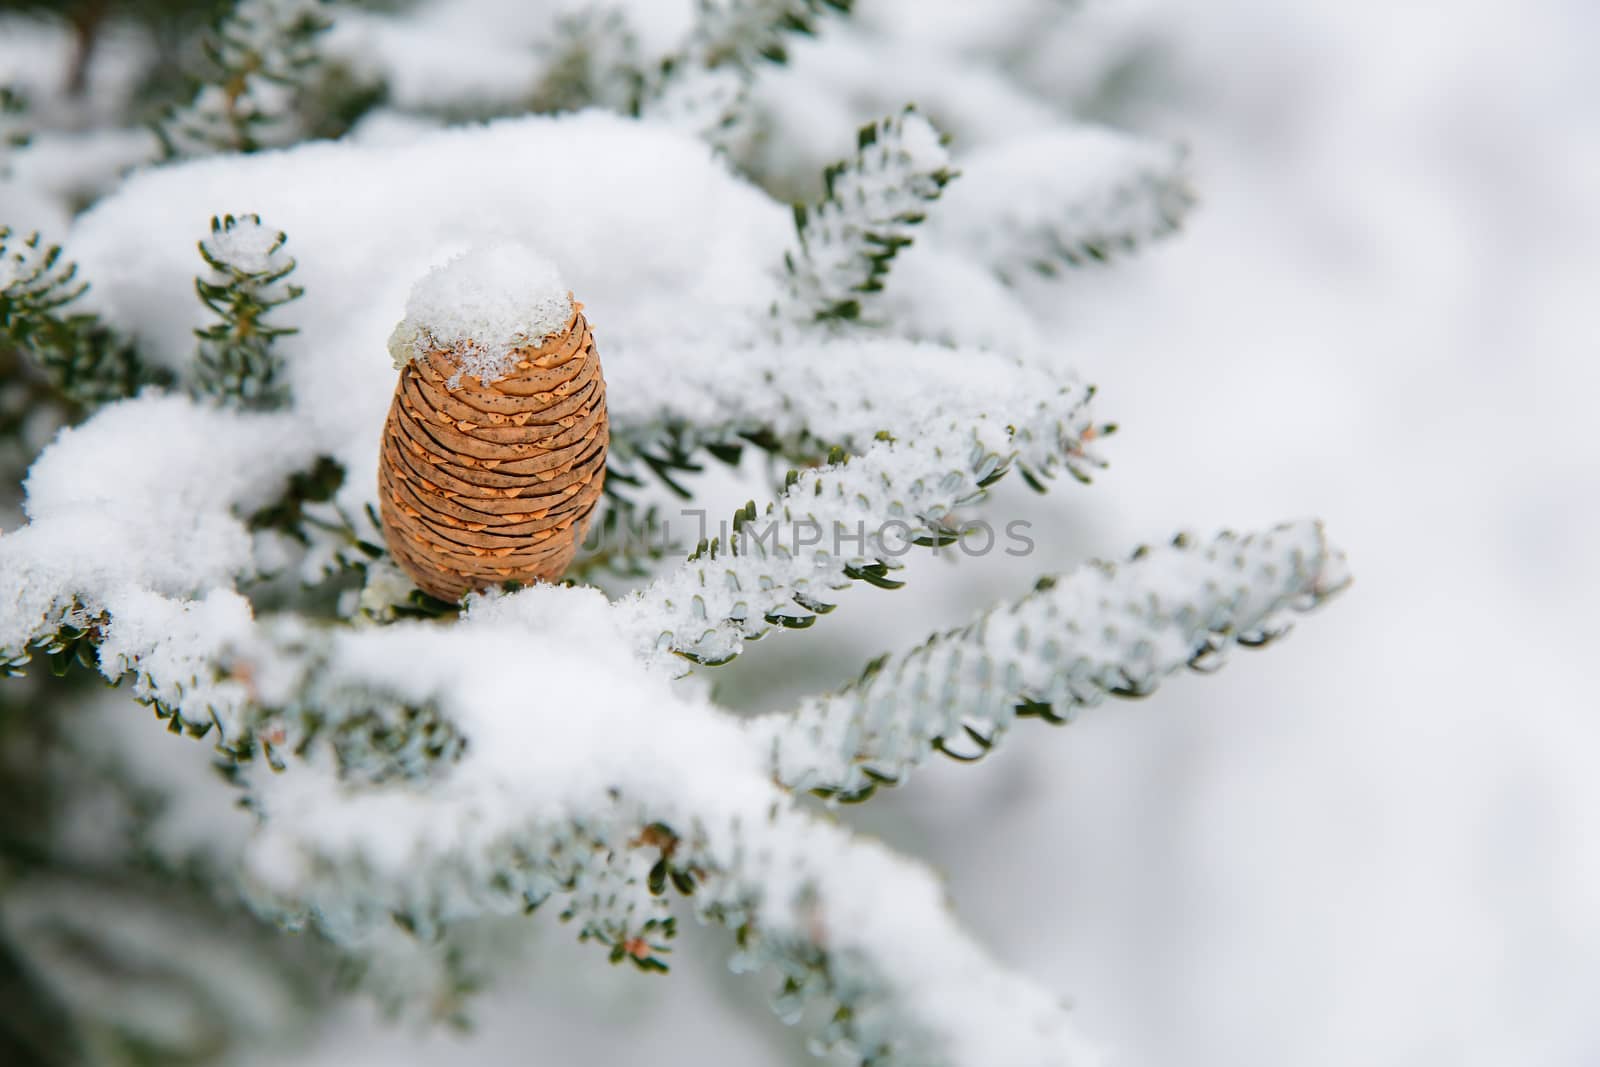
597,790
1103,630
589,789
236,360
83,359
14,129
1064,198
590,58
263,54
854,519
741,33
409,776
811,394
869,206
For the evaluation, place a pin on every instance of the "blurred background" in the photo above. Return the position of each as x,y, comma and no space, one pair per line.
1377,842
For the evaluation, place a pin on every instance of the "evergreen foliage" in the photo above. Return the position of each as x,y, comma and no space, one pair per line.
744,33
112,950
13,124
592,59
870,204
1104,630
1022,209
263,55
236,361
83,359
410,768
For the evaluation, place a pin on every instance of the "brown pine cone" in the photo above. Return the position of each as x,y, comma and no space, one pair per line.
482,482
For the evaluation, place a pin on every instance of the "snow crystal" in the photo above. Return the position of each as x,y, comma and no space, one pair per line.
481,307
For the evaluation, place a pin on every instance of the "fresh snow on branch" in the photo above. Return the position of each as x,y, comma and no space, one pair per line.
93,540
741,33
236,359
1103,630
811,394
14,129
591,788
869,205
84,360
568,187
854,519
415,776
263,53
1064,198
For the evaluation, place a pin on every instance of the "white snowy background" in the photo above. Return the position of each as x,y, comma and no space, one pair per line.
1375,843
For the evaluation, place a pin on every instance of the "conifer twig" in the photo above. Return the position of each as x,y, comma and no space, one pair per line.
1102,630
82,358
869,207
263,55
1064,199
235,360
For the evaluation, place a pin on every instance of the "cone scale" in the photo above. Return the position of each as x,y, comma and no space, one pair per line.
482,482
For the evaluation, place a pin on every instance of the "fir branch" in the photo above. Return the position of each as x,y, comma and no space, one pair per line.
737,846
612,847
204,665
82,358
1065,199
1103,630
628,540
269,691
800,400
791,887
849,240
708,103
632,536
370,735
264,56
744,33
591,59
853,520
98,942
235,361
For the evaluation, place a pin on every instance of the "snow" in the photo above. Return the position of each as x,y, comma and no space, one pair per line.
866,511
573,734
1037,197
1304,854
471,56
481,307
248,246
538,675
1098,630
145,498
679,251
879,193
56,925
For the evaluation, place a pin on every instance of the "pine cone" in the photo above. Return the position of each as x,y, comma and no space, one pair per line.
487,478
